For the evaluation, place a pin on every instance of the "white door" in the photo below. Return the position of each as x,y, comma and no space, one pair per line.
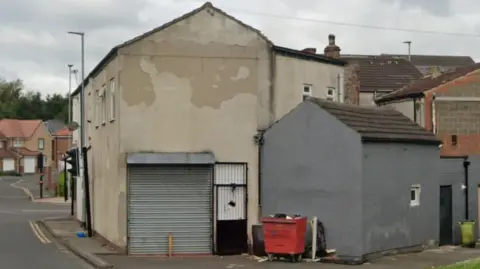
29,165
8,165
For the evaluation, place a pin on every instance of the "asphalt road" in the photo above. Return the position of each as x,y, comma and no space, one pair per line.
23,245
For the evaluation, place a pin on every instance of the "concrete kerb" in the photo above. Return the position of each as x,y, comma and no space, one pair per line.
90,258
27,191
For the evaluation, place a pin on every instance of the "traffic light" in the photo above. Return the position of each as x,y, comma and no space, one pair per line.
72,159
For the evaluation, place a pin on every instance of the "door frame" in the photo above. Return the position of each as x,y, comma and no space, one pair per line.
215,205
451,233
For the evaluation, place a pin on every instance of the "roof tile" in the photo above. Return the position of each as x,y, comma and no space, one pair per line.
427,83
383,73
373,123
18,128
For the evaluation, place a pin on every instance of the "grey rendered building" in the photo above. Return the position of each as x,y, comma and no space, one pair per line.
369,175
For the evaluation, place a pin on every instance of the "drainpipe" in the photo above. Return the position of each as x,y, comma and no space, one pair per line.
466,164
259,141
415,110
434,118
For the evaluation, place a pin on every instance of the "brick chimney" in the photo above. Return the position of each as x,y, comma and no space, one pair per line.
332,50
310,50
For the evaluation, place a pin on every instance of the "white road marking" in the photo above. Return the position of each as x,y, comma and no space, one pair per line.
38,233
44,210
27,191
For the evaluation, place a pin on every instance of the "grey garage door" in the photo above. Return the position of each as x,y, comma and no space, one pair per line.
169,199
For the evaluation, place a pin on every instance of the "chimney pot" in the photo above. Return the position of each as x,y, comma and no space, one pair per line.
332,50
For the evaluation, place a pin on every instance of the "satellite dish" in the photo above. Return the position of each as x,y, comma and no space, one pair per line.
72,126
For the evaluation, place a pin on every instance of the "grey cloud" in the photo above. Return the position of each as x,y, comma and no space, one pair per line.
440,8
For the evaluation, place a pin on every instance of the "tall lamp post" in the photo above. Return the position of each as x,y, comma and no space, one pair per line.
409,43
85,218
70,71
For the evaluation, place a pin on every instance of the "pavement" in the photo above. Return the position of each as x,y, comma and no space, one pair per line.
23,243
52,242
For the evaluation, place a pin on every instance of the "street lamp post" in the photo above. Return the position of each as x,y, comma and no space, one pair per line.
86,195
82,94
409,43
69,100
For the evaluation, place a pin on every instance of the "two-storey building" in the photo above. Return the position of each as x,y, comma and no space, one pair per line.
174,118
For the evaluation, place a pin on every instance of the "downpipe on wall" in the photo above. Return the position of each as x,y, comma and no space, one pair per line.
466,164
259,140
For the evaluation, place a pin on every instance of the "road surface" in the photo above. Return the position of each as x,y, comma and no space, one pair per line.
23,245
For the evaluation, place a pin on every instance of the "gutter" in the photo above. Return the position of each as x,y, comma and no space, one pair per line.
466,164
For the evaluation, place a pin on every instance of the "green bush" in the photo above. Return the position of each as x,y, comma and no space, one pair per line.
61,184
9,173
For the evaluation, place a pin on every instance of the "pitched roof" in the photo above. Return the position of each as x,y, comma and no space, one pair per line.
25,151
63,132
54,125
5,153
437,60
377,124
19,128
418,87
383,73
308,56
114,50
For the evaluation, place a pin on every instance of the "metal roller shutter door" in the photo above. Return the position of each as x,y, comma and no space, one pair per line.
170,199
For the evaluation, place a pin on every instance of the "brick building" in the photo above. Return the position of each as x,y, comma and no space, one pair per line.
447,104
62,141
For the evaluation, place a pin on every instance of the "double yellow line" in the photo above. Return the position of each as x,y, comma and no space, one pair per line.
38,233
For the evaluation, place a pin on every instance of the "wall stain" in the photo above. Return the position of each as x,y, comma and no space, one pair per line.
210,81
122,216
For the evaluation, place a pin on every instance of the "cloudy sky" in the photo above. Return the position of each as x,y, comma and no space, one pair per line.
34,45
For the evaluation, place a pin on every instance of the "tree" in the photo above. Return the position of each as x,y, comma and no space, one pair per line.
16,102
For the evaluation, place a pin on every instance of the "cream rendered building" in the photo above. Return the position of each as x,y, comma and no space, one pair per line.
174,118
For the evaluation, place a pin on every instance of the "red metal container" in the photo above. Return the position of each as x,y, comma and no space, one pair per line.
284,236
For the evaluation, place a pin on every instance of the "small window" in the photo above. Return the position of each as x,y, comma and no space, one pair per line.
415,195
112,100
103,105
41,144
17,143
45,160
307,91
331,93
454,140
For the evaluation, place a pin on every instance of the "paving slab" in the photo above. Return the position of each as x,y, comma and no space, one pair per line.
89,249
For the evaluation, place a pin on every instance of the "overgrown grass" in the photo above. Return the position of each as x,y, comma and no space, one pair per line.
469,264
61,183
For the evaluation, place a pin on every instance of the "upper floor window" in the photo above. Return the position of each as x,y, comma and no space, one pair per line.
112,99
41,144
331,93
17,143
103,105
307,91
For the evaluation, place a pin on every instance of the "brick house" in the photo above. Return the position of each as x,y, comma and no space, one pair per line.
61,142
373,76
447,104
21,142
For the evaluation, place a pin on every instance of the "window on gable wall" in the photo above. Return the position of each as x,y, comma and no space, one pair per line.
112,99
307,91
103,104
331,93
96,107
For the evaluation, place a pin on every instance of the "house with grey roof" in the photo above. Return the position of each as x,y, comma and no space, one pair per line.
428,64
358,170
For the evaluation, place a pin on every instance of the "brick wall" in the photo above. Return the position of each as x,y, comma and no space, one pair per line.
352,84
60,146
459,118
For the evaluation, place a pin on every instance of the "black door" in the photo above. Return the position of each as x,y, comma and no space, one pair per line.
446,219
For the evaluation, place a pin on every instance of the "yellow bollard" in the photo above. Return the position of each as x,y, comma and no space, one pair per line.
170,245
